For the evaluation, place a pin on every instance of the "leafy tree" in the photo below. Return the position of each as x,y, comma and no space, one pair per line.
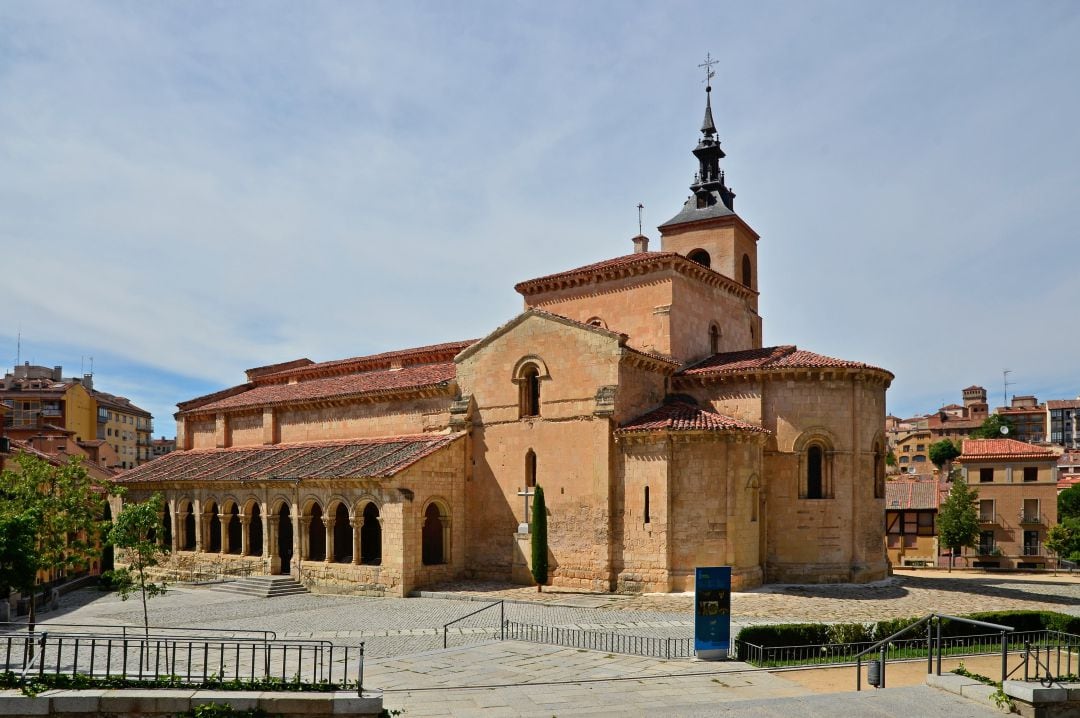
1068,503
539,540
66,508
942,452
958,517
136,530
1059,540
991,428
890,458
18,552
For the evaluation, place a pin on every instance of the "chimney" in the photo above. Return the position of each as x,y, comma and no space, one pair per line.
641,244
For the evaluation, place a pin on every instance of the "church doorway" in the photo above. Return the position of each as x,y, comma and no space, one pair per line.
285,538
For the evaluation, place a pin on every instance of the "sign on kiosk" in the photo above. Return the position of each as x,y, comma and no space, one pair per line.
712,612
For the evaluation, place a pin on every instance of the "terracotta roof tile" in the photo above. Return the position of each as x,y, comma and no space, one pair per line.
680,416
638,262
1063,404
445,351
366,383
1067,482
984,449
375,458
778,357
908,494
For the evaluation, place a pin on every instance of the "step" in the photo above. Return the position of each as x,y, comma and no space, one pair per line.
264,586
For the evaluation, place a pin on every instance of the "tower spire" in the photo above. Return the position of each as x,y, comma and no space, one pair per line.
709,184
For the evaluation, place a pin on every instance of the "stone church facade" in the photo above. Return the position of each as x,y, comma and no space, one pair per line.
635,390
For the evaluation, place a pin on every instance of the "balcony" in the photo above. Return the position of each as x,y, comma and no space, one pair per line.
990,518
1027,518
1032,550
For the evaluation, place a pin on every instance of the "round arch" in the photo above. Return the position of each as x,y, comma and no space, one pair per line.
435,533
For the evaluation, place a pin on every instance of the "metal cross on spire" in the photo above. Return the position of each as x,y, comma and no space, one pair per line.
709,74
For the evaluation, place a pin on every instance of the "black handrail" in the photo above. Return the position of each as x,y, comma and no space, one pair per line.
931,641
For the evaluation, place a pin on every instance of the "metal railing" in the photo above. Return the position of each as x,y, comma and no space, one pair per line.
1058,647
127,631
650,646
183,660
934,646
501,627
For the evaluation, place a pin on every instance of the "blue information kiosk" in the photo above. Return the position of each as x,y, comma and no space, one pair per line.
712,612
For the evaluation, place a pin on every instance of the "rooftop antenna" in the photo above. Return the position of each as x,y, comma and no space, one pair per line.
91,366
640,207
1005,381
18,348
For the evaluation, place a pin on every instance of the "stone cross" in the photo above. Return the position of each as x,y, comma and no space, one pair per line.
523,527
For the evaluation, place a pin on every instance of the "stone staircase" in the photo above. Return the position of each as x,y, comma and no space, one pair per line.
263,586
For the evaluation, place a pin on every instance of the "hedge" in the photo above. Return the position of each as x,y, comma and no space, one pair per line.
813,634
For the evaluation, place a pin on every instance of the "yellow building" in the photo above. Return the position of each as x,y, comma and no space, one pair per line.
1017,486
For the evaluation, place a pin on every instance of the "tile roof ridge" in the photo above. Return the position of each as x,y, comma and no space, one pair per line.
449,348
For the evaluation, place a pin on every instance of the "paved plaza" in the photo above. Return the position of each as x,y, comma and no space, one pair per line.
477,676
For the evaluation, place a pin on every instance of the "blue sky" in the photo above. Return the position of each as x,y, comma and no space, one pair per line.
191,189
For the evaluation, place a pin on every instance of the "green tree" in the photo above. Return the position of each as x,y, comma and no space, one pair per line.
136,531
890,458
66,507
942,452
1059,539
991,428
1068,503
958,517
18,552
539,540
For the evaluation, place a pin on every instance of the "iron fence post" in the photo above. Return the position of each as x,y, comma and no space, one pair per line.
929,650
881,683
1004,657
858,673
938,644
1027,656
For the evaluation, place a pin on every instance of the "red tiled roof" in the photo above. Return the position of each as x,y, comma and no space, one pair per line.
636,263
779,357
983,449
1068,482
447,350
375,458
1063,404
333,387
907,494
680,416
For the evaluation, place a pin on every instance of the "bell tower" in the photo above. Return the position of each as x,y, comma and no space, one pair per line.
707,230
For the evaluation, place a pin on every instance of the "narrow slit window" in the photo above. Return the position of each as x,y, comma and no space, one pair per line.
646,504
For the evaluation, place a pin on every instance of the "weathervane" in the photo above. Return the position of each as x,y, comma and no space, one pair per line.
709,74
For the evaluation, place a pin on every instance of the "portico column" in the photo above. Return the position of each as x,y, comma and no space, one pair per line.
174,522
223,530
245,538
268,528
328,528
356,524
196,510
305,544
446,539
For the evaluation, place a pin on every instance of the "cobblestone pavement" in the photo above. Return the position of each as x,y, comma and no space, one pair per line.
905,594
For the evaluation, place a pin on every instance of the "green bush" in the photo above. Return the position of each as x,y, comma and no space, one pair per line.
812,634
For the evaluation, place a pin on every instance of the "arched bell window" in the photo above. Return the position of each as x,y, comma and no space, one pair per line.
701,257
530,391
747,271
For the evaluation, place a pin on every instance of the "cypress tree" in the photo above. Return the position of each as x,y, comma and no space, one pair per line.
539,540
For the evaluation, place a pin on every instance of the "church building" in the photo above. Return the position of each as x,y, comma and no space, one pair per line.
635,391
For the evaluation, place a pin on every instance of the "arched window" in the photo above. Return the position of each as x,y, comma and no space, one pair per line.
342,535
597,322
815,472
433,548
530,391
530,469
316,534
701,257
255,530
166,526
284,538
235,530
189,527
371,537
747,271
714,339
214,516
